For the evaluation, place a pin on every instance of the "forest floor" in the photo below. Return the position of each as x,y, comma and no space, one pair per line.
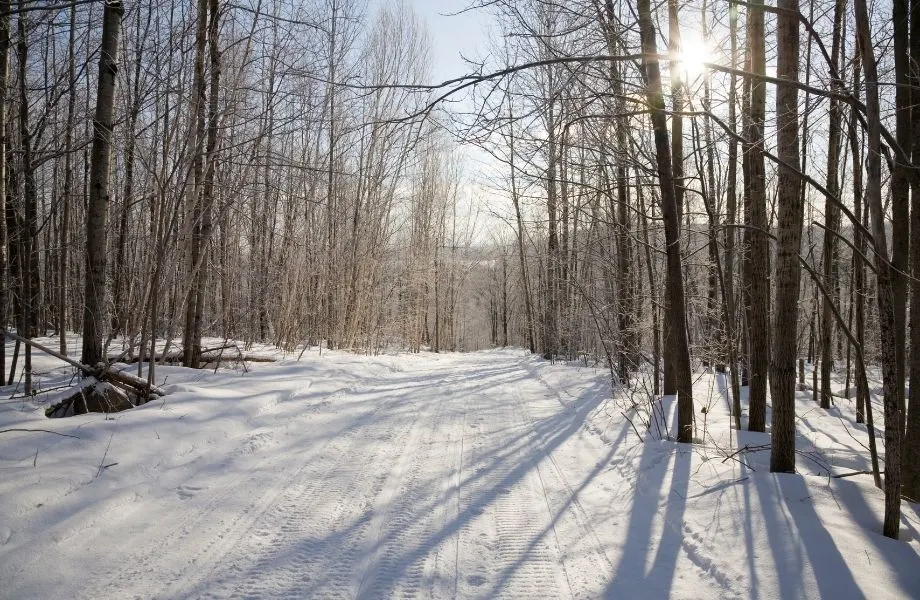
482,475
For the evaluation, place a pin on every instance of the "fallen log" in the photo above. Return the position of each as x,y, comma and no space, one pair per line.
87,370
93,396
115,383
106,372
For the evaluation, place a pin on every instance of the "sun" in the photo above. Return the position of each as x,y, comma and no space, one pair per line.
693,56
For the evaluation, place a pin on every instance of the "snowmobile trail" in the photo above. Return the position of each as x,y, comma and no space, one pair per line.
485,475
432,487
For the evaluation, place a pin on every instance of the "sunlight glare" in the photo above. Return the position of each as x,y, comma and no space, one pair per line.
694,55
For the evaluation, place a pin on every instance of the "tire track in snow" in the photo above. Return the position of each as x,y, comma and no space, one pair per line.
329,541
307,542
504,547
582,552
141,573
407,555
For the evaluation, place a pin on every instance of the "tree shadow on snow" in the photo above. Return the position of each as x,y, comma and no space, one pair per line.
525,448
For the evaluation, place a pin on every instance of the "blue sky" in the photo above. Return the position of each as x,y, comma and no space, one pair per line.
464,34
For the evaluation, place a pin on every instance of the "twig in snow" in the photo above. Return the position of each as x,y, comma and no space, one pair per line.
853,473
831,490
823,465
746,448
40,431
633,426
104,454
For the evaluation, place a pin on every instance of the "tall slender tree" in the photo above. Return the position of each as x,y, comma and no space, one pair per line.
670,213
98,206
884,284
789,224
756,257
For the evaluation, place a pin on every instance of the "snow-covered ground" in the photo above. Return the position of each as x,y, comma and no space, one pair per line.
491,474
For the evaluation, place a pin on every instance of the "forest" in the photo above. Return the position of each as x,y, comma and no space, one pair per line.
662,189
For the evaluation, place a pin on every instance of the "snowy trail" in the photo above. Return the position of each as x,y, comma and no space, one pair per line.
483,475
423,483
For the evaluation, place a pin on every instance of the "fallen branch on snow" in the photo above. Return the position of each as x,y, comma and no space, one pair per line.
40,431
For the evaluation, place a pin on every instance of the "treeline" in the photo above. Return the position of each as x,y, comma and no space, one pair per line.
722,183
251,181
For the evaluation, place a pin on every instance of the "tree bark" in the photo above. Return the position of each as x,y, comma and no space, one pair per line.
885,289
67,191
28,233
5,276
756,257
670,213
191,336
831,211
900,192
731,200
98,208
677,156
789,224
911,467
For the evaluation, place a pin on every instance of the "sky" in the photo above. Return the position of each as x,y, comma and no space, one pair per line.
454,35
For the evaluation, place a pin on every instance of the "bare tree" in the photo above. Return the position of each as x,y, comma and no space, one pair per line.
789,223
756,257
98,207
892,388
4,242
670,213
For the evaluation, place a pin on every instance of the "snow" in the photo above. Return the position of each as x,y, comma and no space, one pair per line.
481,475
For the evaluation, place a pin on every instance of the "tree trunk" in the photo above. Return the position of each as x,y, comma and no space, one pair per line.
191,338
550,324
789,223
885,288
900,192
831,211
29,232
677,155
98,208
911,467
5,276
67,191
756,258
859,269
730,216
670,213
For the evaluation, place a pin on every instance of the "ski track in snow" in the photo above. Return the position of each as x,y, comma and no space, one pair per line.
457,476
437,486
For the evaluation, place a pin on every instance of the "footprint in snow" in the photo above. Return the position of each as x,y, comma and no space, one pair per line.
187,491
